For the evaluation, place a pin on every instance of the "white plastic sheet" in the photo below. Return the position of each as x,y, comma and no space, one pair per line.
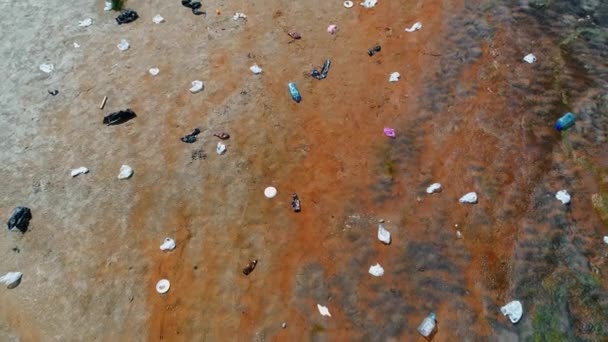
168,244
394,77
11,279
125,172
415,27
376,270
255,69
383,234
470,198
323,310
435,187
197,86
513,310
79,171
563,196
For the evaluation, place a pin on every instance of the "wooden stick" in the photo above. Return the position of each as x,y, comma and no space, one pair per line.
103,103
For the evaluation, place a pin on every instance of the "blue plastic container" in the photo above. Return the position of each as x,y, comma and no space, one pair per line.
565,122
295,93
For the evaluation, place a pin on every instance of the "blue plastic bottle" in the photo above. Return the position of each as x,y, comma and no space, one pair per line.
565,122
295,93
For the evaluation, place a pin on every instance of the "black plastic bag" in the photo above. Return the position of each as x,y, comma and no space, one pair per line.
20,219
119,117
373,50
194,5
126,16
191,138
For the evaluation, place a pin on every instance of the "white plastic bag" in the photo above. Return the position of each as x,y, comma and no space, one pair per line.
11,279
394,77
86,22
197,86
47,67
123,45
513,310
369,3
323,310
530,58
168,244
470,198
79,171
563,196
255,69
384,235
435,187
158,19
376,270
125,172
415,27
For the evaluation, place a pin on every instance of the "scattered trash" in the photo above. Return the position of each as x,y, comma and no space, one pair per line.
255,69
126,16
563,196
158,19
163,286
196,86
606,240
470,198
332,29
389,132
435,187
270,192
323,310
168,244
394,77
191,138
123,45
108,6
513,310
374,50
348,4
428,325
565,122
295,93
384,235
369,3
119,117
79,171
194,6
11,279
323,73
294,35
154,71
458,234
125,172
295,203
376,270
417,26
238,16
222,135
284,325
85,23
47,67
53,92
76,45
103,102
530,58
20,219
221,148
250,267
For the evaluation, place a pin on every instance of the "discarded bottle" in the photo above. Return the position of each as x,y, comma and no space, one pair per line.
428,325
295,203
373,50
565,122
295,93
250,267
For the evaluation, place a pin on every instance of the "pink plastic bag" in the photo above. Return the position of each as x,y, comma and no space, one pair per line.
389,132
332,29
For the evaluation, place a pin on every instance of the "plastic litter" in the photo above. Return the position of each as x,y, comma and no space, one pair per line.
270,192
158,19
323,310
53,92
222,135
20,219
563,196
294,92
332,29
79,171
513,310
163,286
238,16
565,122
191,138
11,279
384,235
294,35
389,132
108,6
154,71
125,172
47,67
194,6
372,51
369,3
127,16
376,270
119,117
530,58
470,198
123,45
428,325
103,102
255,69
415,27
86,22
348,4
435,187
76,45
394,77
168,244
250,267
606,240
295,203
458,234
323,73
196,86
221,148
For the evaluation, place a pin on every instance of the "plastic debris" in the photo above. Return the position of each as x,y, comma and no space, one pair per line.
196,86
372,51
238,16
389,132
103,102
513,310
284,325
294,92
221,148
191,138
376,270
606,240
126,16
158,19
250,267
563,196
76,45
435,187
20,219
394,77
323,310
79,171
324,71
530,58
565,122
295,203
428,325
194,6
458,234
369,3
108,6
294,35
163,286
47,68
348,4
53,92
470,198
332,29
270,192
86,22
11,279
123,45
125,172
415,27
119,117
222,135
255,69
154,71
168,244
384,235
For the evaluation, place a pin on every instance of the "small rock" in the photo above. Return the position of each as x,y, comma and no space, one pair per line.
79,171
376,270
284,325
323,310
435,187
563,196
513,310
384,235
168,244
221,148
394,77
11,279
125,172
470,198
158,19
196,86
255,69
123,45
